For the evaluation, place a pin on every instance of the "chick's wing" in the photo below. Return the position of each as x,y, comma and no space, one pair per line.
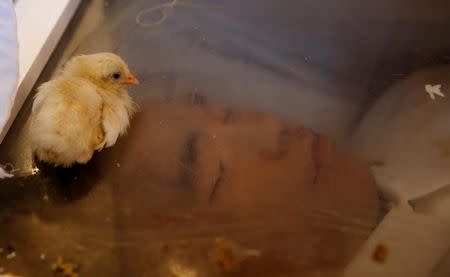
66,121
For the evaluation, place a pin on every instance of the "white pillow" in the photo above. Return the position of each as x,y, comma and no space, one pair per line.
410,133
9,66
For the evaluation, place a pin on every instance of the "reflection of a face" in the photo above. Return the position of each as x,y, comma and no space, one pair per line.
243,173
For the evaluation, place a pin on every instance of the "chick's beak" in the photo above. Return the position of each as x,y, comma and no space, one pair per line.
130,80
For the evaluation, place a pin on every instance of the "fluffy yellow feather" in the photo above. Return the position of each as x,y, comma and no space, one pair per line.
84,109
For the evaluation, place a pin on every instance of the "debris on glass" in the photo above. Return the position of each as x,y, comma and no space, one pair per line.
34,171
179,270
67,269
228,254
9,252
434,90
380,253
11,255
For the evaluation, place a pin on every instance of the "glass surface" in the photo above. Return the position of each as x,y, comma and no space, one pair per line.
238,162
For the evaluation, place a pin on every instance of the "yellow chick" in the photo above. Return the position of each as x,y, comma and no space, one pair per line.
84,109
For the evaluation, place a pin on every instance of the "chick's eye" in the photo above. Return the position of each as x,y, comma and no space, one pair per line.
116,75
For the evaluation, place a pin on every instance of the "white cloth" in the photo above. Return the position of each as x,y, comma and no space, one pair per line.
9,66
410,133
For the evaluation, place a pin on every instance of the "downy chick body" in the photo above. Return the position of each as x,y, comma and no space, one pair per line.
84,109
